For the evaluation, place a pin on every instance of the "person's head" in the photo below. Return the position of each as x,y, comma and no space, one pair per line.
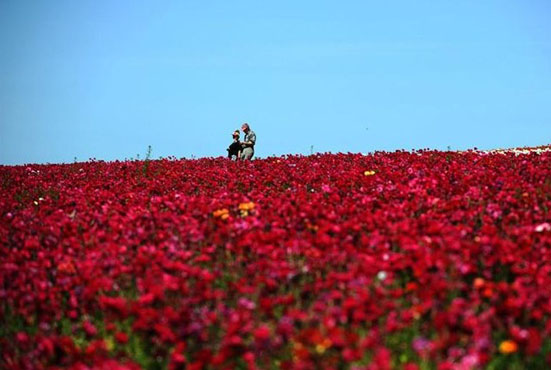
236,134
245,127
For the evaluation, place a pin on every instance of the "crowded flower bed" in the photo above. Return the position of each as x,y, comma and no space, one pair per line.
404,260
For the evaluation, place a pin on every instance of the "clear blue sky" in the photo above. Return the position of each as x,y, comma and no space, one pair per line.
104,79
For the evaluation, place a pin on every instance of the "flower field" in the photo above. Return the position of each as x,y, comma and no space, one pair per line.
423,260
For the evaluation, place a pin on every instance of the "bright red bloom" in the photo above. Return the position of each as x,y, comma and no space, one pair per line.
262,333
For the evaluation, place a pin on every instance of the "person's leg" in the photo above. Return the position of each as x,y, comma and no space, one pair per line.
247,154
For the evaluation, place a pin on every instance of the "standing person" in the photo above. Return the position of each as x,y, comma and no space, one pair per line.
235,147
248,143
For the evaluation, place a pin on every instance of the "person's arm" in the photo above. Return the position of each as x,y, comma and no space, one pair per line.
250,142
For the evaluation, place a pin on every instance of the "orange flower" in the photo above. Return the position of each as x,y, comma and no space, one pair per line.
66,267
478,283
246,206
507,347
221,213
311,227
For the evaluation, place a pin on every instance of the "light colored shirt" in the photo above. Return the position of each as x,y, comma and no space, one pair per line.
250,136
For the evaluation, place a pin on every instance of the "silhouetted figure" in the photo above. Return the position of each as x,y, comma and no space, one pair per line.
235,147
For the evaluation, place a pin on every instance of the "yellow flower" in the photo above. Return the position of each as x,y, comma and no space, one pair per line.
369,173
109,343
507,347
322,347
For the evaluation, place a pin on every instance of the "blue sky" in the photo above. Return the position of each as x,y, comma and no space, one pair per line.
105,79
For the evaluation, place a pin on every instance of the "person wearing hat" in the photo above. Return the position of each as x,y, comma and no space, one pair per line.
248,143
235,147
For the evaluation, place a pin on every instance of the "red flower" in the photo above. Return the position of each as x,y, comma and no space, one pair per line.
89,328
262,333
121,337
